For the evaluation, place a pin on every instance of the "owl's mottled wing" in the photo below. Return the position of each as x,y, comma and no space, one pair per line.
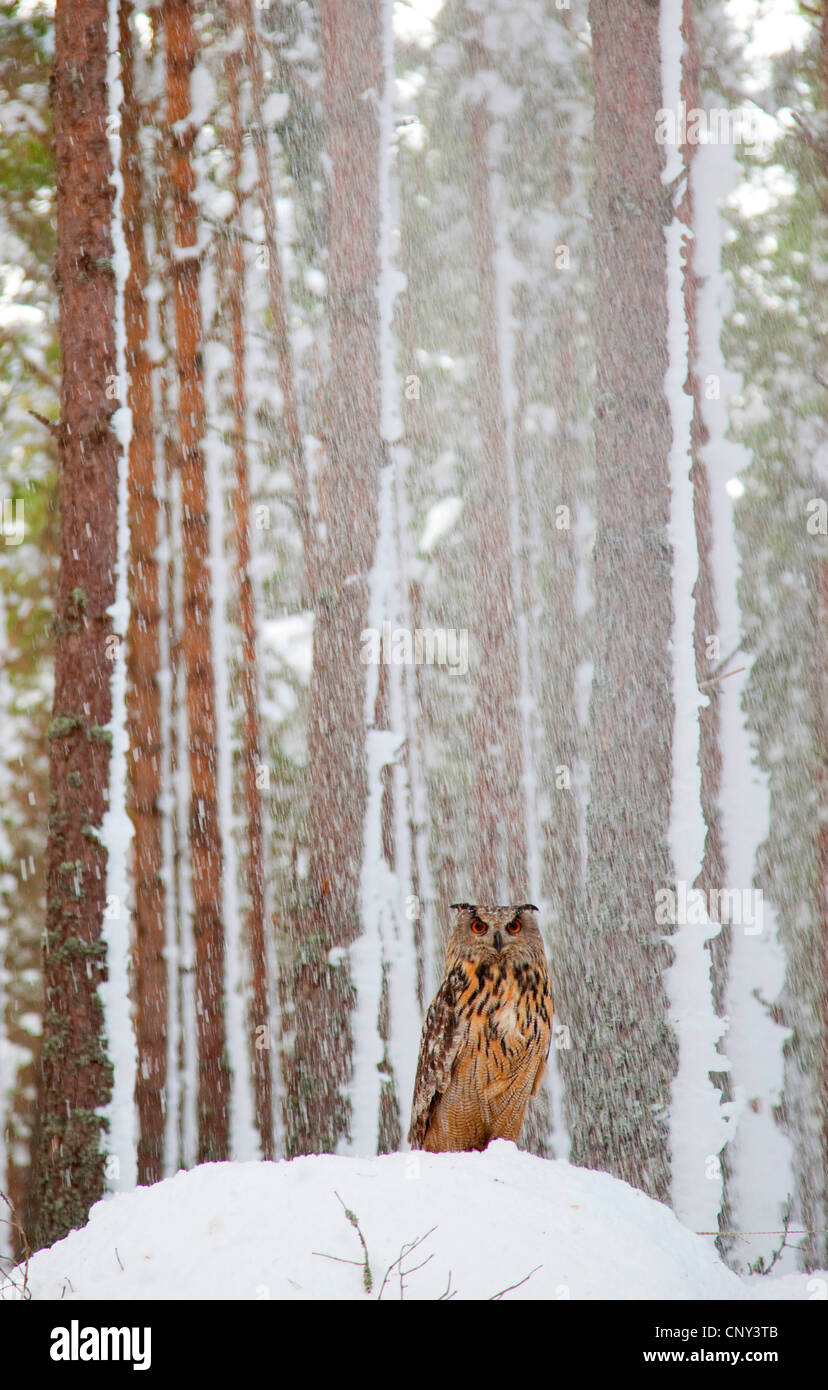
438,1051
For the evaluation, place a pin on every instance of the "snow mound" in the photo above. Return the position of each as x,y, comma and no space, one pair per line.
485,1222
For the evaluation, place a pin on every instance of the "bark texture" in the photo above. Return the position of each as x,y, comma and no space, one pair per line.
76,1075
499,812
617,1104
143,652
705,624
204,837
254,867
318,1059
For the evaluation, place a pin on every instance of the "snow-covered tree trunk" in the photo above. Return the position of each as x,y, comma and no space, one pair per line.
259,1041
499,838
179,1147
204,831
698,1119
320,1056
617,1105
143,643
818,1249
384,960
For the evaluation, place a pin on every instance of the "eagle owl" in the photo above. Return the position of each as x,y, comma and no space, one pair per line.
486,1036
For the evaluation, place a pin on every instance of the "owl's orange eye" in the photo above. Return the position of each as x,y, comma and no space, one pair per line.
513,928
479,928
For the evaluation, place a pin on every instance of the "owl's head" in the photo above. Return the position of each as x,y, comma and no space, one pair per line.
508,934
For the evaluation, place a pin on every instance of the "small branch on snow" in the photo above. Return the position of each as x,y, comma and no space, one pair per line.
367,1280
759,1266
509,1287
407,1249
340,1259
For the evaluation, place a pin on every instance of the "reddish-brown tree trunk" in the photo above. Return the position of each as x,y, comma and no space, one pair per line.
259,1012
204,836
618,1101
143,652
170,471
499,812
76,1075
322,997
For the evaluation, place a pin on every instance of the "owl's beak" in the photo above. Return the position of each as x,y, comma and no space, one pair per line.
498,941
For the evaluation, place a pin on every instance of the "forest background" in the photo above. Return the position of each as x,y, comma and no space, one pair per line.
498,321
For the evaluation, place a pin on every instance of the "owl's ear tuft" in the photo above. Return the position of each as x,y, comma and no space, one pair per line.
459,906
527,907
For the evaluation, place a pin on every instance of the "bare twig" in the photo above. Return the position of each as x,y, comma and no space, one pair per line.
714,680
806,1231
759,1266
25,1292
50,424
407,1249
323,1255
509,1287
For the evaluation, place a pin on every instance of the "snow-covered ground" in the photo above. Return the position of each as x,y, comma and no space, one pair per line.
468,1226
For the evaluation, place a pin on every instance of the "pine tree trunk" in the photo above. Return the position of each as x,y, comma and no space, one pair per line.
143,659
617,1106
706,624
76,1075
276,296
177,1099
416,691
205,839
249,678
820,1253
322,995
500,822
560,647
706,620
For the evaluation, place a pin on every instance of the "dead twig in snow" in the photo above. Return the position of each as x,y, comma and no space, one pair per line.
759,1266
406,1250
509,1287
24,1290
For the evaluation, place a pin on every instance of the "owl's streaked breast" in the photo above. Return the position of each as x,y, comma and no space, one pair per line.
504,1017
504,1009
